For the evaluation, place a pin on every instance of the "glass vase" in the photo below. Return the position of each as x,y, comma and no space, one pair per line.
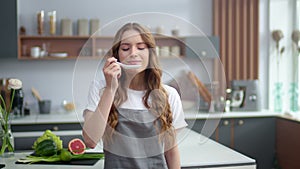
278,97
294,97
7,140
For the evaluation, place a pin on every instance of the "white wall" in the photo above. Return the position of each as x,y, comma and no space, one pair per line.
198,12
54,78
264,36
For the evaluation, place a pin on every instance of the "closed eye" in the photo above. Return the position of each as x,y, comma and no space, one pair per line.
141,46
125,49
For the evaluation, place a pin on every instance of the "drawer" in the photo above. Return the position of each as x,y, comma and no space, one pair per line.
43,127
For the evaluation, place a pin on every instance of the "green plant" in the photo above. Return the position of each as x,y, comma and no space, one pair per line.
7,143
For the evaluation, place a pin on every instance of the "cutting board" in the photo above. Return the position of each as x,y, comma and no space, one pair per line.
88,162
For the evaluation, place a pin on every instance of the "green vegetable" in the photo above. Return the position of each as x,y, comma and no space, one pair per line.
46,148
65,155
57,158
49,135
88,156
36,159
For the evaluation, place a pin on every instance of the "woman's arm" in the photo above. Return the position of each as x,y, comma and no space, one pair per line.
95,122
172,154
173,158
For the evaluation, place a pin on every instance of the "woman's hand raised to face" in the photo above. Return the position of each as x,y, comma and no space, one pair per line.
112,71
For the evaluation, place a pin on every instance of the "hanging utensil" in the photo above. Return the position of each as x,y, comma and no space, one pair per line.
36,94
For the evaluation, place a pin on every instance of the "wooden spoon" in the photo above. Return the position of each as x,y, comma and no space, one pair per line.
36,94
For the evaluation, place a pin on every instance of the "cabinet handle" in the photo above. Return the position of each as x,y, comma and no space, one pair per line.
241,122
55,128
226,122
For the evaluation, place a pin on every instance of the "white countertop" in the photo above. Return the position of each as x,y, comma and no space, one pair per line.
290,116
75,118
294,116
71,117
195,151
198,151
197,115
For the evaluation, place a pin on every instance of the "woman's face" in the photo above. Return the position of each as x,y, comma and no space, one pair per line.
133,50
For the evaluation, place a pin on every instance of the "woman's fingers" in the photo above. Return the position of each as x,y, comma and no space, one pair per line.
112,71
108,62
115,70
111,68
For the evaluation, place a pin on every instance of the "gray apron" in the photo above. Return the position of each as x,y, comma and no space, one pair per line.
135,143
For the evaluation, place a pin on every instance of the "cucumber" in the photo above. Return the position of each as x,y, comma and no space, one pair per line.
46,148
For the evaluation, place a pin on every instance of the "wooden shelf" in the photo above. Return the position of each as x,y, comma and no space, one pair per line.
83,46
53,37
47,58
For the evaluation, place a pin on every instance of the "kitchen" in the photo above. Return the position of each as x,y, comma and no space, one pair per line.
59,73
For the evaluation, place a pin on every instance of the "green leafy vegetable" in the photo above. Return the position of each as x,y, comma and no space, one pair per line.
46,148
36,159
49,135
49,148
57,158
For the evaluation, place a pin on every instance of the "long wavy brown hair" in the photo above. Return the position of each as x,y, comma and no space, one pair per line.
159,104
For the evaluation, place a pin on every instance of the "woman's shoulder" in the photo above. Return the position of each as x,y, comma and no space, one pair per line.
171,90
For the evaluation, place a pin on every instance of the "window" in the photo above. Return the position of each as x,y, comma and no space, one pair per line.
283,59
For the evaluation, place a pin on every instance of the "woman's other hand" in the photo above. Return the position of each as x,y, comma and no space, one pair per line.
112,71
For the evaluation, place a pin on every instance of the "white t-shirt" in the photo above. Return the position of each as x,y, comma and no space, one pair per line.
135,101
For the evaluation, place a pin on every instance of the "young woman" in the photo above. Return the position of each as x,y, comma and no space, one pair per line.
131,110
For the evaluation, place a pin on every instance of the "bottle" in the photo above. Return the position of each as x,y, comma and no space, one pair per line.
3,92
40,22
52,22
26,109
17,105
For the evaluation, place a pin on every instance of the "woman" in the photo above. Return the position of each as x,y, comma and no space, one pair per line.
132,111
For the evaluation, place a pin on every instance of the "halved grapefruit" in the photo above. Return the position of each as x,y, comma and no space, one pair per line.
76,146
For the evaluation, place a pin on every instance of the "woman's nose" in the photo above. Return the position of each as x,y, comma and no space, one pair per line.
133,51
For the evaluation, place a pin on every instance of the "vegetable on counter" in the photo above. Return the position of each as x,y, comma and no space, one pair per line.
48,148
49,135
64,156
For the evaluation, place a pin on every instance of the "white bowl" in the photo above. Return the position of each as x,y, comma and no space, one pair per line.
62,54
